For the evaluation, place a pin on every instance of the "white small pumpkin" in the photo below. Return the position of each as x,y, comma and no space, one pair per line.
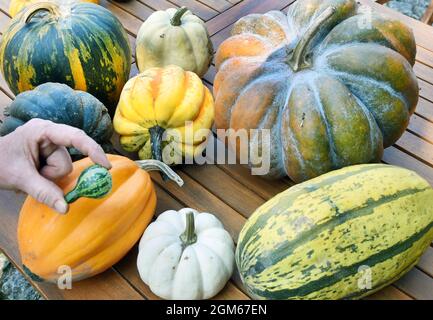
174,37
186,255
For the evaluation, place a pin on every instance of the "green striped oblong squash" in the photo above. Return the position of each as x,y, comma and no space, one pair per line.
82,45
345,234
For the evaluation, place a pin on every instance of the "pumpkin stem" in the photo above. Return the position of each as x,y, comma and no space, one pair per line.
156,134
189,237
176,20
155,165
298,59
33,9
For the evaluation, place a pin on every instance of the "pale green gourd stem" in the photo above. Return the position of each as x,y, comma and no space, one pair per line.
31,10
176,20
155,165
189,237
71,196
297,59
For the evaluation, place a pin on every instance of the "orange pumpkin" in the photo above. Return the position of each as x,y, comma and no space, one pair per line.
95,233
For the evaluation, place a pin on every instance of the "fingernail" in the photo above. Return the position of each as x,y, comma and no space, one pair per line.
61,206
108,166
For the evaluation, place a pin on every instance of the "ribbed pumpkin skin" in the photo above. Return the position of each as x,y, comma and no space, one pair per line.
168,98
95,233
87,49
61,104
310,241
16,6
159,43
353,99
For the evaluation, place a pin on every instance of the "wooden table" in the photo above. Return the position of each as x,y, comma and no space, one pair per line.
230,191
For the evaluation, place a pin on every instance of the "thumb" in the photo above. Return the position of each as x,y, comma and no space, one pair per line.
46,192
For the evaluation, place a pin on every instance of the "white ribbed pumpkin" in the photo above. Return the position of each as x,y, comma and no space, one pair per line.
186,255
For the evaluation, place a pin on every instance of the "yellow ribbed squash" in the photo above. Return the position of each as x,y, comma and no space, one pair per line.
345,234
16,6
164,107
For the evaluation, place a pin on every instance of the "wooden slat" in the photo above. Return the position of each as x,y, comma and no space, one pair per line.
218,5
198,8
389,293
241,9
130,23
135,8
158,4
428,14
417,284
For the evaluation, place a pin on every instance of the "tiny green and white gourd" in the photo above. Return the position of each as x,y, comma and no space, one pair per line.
174,36
186,255
94,182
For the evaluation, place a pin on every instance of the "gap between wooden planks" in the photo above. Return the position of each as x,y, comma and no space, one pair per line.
265,9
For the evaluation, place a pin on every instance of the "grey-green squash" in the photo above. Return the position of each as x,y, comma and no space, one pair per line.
61,104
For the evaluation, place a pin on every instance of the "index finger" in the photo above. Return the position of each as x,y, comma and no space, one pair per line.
67,136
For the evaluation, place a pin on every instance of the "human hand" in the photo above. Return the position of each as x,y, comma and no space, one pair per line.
35,154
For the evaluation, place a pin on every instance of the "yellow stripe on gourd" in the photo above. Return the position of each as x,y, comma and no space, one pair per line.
169,93
136,102
200,126
189,106
77,69
125,126
117,61
27,73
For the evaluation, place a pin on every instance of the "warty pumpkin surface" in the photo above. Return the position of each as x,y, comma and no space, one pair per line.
334,85
82,45
343,235
161,106
15,6
174,36
95,233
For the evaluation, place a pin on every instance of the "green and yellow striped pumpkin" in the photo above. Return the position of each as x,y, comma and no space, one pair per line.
82,45
345,234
